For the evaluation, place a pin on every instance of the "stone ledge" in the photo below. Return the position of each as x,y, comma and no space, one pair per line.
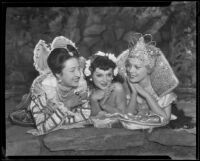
23,148
171,137
93,139
104,141
20,143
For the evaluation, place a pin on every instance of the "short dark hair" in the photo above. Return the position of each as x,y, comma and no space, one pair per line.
104,63
58,56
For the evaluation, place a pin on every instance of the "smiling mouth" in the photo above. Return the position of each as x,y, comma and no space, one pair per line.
104,85
76,80
132,76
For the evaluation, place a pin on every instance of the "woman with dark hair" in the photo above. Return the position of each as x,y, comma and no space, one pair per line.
107,95
59,93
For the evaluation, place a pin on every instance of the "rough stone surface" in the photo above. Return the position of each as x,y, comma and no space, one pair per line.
93,139
75,35
16,77
94,30
188,108
109,36
119,32
172,138
90,41
120,46
20,143
127,36
92,18
99,46
172,29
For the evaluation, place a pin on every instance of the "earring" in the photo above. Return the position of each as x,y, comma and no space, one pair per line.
90,79
59,81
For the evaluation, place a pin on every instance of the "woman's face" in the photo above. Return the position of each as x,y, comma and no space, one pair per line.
136,70
102,78
70,73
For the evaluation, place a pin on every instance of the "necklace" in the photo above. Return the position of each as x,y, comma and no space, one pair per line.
63,93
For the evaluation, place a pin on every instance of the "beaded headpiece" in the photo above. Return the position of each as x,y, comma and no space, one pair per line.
41,53
163,79
141,50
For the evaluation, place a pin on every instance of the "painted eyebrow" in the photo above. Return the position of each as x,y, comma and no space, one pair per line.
98,73
138,65
101,73
74,67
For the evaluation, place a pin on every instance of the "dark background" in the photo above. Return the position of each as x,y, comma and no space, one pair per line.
173,28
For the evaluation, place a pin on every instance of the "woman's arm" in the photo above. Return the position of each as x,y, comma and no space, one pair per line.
153,104
119,104
156,108
132,105
95,108
46,121
94,101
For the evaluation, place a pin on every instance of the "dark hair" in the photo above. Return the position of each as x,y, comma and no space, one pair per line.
58,56
104,63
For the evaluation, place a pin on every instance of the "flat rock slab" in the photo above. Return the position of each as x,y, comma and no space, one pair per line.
20,143
93,139
171,137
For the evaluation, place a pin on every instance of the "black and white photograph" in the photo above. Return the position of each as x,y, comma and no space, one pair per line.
101,80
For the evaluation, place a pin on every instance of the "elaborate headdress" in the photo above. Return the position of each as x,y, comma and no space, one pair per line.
143,51
110,56
42,51
62,42
162,77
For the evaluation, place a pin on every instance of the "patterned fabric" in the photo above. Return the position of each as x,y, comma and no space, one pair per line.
44,96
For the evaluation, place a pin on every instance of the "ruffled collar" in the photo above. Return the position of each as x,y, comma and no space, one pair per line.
50,80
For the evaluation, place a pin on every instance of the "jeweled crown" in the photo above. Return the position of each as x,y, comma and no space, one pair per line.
138,48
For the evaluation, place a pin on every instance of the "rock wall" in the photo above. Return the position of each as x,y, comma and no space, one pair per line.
100,28
179,145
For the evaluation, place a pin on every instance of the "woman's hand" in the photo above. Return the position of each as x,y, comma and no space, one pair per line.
107,93
132,87
50,107
141,91
97,95
74,100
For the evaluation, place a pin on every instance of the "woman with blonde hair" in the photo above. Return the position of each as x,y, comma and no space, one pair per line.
149,85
